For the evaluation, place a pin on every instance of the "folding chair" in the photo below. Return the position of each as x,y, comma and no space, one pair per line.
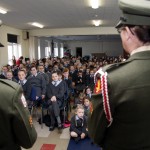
65,106
35,104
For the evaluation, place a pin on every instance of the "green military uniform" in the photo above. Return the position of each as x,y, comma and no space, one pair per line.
16,126
129,93
128,86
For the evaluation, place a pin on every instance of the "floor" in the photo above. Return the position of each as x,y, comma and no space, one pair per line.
60,140
45,136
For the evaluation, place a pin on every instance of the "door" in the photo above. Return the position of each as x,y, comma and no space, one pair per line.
78,51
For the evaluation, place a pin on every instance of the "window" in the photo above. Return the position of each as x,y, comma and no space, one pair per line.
55,50
47,49
39,49
61,50
14,49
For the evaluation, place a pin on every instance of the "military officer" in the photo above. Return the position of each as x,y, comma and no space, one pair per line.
16,126
120,119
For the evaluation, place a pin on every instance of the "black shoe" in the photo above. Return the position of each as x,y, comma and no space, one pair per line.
77,139
60,128
51,128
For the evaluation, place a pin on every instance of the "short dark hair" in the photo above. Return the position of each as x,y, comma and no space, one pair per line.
33,67
57,72
142,32
22,71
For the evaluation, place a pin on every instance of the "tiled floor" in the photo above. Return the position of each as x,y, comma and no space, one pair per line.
50,137
47,137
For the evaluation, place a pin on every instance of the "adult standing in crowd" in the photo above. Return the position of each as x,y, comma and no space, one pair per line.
120,118
16,125
19,61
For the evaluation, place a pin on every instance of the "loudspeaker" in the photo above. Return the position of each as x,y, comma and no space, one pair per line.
25,35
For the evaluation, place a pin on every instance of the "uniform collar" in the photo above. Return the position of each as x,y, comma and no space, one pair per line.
77,118
140,49
56,82
34,75
24,81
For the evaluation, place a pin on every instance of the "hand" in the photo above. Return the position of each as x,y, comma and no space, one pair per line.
53,98
43,96
73,84
82,135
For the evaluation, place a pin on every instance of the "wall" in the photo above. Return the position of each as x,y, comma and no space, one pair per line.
111,48
74,31
43,44
4,30
30,47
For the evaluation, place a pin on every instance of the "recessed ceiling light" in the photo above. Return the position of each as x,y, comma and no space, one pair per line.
37,24
3,11
97,22
94,4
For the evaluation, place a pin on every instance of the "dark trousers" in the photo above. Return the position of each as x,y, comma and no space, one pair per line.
54,109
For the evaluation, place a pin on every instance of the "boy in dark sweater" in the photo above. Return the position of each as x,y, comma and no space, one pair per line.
55,94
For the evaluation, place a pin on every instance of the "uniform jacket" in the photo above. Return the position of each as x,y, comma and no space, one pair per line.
90,81
27,87
39,84
129,98
73,75
58,91
46,77
16,125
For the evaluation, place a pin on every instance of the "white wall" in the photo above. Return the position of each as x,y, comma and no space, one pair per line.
111,48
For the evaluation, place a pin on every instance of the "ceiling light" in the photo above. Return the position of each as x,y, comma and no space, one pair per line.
3,11
94,4
37,24
97,22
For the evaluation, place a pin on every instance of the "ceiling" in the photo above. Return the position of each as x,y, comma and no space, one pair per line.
58,13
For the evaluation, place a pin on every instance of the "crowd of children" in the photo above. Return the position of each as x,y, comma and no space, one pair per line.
55,80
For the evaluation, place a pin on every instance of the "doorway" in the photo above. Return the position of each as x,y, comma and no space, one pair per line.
78,51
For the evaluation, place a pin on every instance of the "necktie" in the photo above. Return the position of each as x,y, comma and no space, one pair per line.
81,121
21,82
55,83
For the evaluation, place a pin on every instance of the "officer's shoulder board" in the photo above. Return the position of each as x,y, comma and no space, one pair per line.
9,83
114,66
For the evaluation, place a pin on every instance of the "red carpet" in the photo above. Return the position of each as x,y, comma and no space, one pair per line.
48,147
